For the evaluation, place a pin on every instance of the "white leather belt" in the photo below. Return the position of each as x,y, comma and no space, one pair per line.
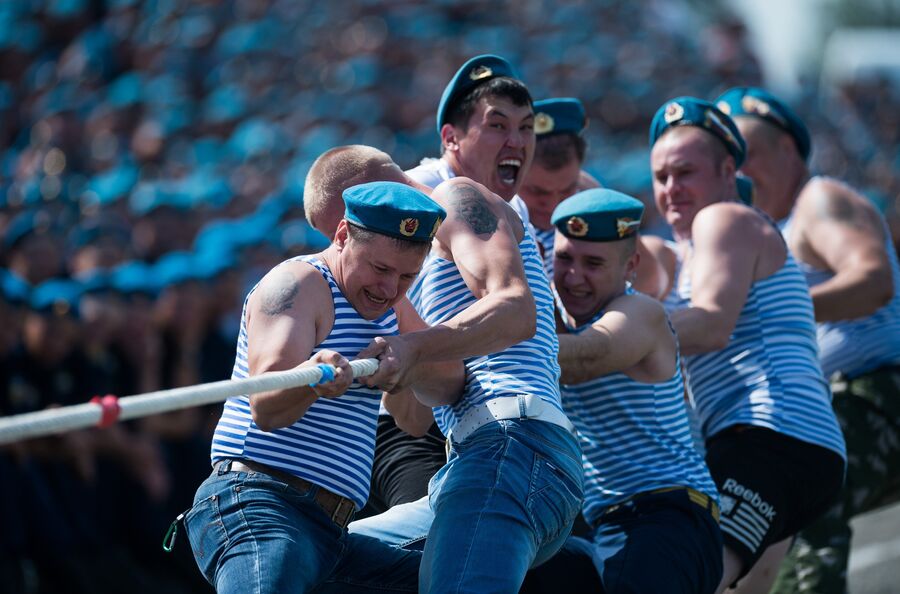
523,406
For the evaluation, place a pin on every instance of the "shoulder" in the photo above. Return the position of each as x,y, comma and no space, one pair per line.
732,220
659,249
289,283
829,199
642,309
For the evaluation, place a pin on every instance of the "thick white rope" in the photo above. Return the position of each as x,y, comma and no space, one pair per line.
59,420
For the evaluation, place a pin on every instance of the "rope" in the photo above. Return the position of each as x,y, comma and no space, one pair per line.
100,412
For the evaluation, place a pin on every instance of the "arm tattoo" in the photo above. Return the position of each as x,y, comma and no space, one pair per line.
470,206
840,208
279,294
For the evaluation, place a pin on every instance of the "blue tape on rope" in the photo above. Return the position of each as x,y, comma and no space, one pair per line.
327,374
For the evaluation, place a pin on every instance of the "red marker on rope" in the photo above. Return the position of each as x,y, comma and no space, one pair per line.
110,409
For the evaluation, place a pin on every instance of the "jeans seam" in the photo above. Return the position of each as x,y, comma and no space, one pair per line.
480,516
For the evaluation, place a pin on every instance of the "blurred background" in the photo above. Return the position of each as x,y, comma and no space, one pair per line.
152,160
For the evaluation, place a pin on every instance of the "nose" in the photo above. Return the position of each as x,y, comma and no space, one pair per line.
517,138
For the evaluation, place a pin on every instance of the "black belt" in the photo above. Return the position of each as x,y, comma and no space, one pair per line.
339,508
695,496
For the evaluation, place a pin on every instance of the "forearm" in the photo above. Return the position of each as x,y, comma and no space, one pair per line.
700,331
581,360
409,414
491,324
851,294
438,383
280,408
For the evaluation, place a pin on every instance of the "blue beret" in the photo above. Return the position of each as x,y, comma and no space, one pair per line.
690,111
745,190
24,224
393,209
557,116
753,101
174,268
58,296
473,73
15,289
598,215
134,277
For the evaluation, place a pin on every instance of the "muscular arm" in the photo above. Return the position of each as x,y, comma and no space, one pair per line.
632,330
481,237
287,316
843,233
725,252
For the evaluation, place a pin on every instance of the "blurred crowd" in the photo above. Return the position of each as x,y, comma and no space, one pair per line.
151,170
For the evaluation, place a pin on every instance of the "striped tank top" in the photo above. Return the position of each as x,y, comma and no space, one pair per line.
768,375
529,367
332,445
545,239
856,347
634,436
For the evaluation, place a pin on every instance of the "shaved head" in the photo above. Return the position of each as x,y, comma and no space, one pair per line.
335,171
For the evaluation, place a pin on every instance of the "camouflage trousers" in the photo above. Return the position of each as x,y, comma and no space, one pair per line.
868,409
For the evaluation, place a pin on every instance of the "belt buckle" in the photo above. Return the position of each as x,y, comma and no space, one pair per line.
343,518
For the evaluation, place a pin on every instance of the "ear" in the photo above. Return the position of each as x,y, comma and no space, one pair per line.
449,137
631,266
342,235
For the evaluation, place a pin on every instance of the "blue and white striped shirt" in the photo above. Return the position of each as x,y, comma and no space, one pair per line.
768,375
529,367
856,347
634,436
546,238
333,444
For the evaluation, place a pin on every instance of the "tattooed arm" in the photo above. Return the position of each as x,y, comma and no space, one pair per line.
840,231
289,313
481,236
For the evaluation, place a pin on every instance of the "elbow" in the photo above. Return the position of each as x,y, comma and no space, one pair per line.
717,340
885,292
412,428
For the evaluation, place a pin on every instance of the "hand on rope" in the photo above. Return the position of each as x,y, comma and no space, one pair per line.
336,374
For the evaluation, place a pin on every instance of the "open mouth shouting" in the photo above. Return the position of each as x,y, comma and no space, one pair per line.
508,171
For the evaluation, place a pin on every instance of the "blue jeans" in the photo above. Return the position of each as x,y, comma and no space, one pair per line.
504,502
251,532
655,543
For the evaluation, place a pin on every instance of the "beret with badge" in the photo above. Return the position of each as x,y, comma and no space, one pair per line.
393,209
753,101
598,214
559,116
473,73
690,111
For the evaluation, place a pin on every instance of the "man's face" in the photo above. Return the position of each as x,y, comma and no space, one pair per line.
768,153
376,273
497,148
589,274
544,189
686,176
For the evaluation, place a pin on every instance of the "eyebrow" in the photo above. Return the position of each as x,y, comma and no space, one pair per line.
492,111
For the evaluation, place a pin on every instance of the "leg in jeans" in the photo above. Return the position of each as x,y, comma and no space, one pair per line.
505,501
404,526
252,533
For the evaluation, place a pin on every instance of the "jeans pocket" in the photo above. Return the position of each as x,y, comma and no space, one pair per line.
207,535
554,499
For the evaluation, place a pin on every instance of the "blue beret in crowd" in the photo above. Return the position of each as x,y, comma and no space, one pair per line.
753,101
393,209
473,73
134,277
15,289
690,111
558,116
24,224
598,214
174,268
57,296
